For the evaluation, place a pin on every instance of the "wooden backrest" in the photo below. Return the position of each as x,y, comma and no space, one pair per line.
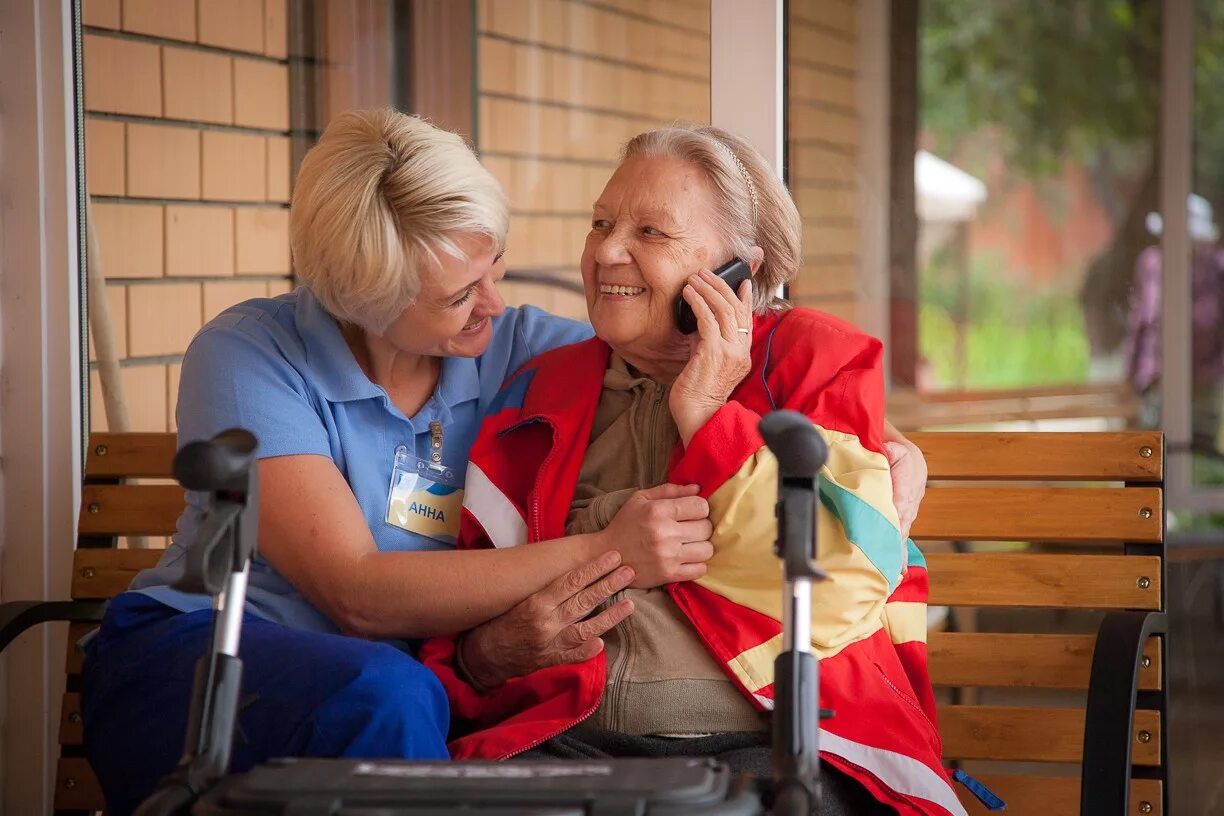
112,506
1063,492
1087,511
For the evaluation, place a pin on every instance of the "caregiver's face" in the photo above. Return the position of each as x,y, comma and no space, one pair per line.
652,227
452,315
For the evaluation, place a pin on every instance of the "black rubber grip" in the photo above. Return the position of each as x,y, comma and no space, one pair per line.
216,463
794,440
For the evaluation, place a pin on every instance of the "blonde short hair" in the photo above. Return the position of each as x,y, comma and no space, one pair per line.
754,207
376,199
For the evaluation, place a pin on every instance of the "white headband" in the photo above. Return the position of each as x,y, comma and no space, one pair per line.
752,193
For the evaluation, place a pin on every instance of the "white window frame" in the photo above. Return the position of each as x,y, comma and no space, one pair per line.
748,73
1176,338
748,96
40,369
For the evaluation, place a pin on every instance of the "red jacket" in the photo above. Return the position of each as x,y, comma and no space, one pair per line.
868,618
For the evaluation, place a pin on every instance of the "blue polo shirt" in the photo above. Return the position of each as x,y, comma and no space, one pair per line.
280,368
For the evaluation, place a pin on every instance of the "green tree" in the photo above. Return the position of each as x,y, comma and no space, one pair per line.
1074,81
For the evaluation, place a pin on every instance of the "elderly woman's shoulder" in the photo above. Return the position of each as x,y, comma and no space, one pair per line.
804,326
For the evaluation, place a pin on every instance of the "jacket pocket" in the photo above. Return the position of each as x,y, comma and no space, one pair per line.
908,699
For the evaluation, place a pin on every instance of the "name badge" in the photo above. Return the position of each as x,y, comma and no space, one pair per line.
425,498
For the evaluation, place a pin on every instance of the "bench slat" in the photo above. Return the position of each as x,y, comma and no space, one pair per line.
948,513
1013,733
76,786
1043,580
1053,795
1043,456
1040,514
72,731
1023,660
108,510
75,657
957,579
142,455
100,574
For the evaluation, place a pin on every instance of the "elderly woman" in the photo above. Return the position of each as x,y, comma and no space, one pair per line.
366,387
579,430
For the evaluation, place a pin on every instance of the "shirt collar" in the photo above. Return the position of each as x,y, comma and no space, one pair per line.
336,373
340,379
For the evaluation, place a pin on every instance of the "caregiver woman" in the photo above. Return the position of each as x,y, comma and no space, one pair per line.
366,387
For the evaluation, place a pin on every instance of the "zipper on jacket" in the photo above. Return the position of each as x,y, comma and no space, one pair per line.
534,531
535,535
585,716
616,674
915,705
653,432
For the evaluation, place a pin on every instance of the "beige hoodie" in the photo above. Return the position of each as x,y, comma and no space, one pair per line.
661,679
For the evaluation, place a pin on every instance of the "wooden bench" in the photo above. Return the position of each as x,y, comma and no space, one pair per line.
1102,491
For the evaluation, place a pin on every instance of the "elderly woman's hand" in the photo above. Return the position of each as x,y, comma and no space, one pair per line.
721,351
550,627
663,533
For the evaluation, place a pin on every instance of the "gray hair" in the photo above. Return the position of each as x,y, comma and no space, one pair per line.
754,207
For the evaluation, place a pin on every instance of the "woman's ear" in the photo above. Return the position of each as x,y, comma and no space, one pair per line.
756,257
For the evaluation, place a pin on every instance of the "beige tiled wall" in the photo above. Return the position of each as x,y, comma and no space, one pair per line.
188,167
825,126
561,86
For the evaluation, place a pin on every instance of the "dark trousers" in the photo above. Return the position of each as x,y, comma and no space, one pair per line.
303,694
744,753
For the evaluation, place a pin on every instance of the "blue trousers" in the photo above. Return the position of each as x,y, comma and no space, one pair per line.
303,694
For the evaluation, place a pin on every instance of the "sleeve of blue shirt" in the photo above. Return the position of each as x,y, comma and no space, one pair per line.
239,373
536,331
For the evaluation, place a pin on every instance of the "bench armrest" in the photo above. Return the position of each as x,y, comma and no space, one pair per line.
1110,722
18,616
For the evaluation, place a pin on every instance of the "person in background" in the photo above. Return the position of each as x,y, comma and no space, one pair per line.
1142,344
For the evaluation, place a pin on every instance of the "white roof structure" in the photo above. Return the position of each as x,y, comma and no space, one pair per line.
946,194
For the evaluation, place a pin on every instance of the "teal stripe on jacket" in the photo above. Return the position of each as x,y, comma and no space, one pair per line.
868,529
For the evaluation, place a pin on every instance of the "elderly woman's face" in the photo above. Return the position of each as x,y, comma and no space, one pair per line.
652,227
452,314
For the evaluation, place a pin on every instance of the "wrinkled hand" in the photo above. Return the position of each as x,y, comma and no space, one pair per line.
908,469
720,356
550,627
663,533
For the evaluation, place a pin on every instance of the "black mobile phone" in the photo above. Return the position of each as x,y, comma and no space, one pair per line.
734,272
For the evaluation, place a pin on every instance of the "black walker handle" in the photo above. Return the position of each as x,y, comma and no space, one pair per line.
801,453
217,564
220,463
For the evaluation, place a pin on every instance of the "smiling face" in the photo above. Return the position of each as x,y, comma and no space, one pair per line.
452,314
652,227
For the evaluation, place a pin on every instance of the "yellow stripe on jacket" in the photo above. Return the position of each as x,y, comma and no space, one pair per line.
906,621
859,543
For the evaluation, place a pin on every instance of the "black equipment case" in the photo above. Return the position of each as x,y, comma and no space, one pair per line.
324,787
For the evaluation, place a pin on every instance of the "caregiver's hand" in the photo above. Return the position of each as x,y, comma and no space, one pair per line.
908,469
721,353
550,627
663,533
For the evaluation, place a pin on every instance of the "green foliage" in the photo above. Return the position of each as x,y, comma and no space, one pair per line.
1069,80
1015,337
1209,101
1058,79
